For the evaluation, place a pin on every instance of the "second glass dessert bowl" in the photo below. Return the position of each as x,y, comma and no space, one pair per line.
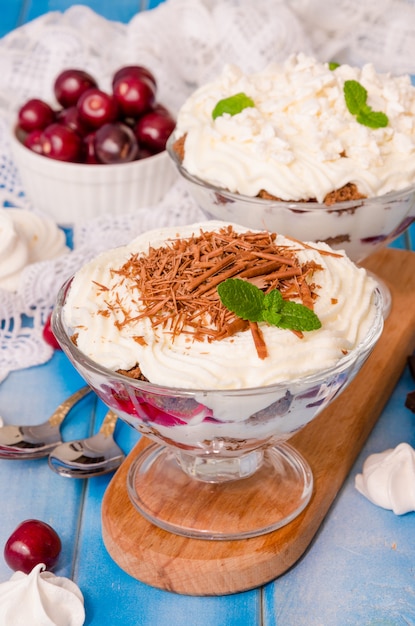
359,227
220,466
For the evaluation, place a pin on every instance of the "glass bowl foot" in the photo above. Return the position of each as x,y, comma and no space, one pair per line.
234,509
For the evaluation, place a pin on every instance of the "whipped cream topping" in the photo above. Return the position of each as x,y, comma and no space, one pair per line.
300,141
26,238
388,479
41,599
98,298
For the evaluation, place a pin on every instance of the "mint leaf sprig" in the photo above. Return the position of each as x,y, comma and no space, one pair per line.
232,105
250,303
355,96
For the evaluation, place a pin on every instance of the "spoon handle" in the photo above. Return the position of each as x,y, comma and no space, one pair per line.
63,409
108,425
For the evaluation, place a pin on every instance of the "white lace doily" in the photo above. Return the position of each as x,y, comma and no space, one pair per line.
185,43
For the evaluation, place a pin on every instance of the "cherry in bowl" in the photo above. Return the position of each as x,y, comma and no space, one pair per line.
134,94
70,117
61,143
134,70
95,107
35,114
115,143
71,84
153,130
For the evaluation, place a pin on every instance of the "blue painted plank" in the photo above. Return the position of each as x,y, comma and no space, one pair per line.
359,569
406,241
114,597
29,489
353,573
119,10
10,16
111,596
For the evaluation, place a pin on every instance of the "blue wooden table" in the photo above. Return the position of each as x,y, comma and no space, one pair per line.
359,570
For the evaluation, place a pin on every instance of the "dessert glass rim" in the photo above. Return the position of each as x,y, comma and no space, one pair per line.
64,338
300,205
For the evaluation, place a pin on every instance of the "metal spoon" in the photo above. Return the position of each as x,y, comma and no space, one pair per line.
89,457
34,442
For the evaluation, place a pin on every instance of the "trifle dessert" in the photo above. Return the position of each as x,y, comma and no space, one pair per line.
218,342
151,311
314,150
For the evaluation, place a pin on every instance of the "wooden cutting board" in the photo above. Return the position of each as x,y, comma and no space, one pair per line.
330,444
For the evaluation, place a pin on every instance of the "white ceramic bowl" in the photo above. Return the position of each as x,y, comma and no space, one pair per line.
359,227
71,193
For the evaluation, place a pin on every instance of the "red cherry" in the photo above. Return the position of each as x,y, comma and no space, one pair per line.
70,85
161,109
135,95
48,335
115,143
33,141
145,153
20,134
35,114
153,130
31,543
89,143
96,108
70,117
61,143
134,70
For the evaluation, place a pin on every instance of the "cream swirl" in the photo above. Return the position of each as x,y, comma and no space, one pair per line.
300,141
388,479
41,599
344,305
26,238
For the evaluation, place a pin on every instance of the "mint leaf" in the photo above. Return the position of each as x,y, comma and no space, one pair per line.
373,119
242,298
333,66
249,303
273,303
296,316
355,96
232,105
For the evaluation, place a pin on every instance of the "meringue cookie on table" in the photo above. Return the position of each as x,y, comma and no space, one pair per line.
41,599
26,238
388,479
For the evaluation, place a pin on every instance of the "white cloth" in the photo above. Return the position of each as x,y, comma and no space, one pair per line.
206,34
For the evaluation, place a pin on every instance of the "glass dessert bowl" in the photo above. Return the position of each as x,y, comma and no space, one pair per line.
220,466
359,227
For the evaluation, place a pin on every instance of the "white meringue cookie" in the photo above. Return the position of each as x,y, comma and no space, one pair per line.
388,479
26,238
41,599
